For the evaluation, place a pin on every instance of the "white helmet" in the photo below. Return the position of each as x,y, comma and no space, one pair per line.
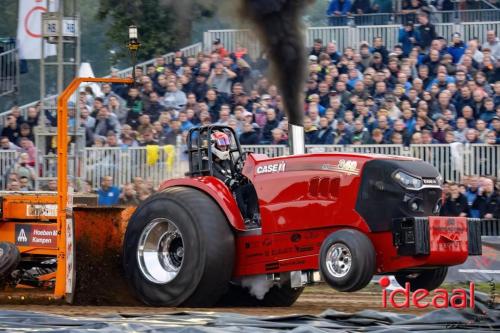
221,144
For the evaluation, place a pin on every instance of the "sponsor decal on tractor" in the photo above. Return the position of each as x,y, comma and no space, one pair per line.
271,168
36,235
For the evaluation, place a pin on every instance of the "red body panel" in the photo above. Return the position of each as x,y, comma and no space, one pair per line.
302,200
218,191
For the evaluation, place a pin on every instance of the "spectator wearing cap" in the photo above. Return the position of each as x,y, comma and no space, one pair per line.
492,43
408,37
341,135
426,30
456,48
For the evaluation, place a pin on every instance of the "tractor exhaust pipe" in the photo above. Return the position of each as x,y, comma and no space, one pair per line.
296,139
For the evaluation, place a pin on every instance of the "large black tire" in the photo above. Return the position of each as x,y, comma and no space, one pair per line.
208,249
9,259
359,254
277,296
428,279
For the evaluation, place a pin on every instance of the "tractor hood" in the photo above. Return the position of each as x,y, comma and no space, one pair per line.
402,188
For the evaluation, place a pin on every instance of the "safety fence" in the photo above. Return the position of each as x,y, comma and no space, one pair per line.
160,163
154,162
9,68
458,16
345,36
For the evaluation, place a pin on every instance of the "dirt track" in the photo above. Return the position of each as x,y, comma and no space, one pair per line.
314,300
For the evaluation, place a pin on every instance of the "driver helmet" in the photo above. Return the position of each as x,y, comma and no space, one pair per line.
220,145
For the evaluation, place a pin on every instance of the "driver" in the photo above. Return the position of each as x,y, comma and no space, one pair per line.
244,193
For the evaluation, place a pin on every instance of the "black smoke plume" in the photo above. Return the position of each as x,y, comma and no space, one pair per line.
279,27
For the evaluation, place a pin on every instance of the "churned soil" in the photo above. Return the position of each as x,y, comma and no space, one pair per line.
314,300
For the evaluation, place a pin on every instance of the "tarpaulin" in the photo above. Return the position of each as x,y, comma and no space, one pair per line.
480,319
479,268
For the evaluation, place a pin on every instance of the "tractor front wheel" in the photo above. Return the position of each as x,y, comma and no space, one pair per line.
347,260
179,249
428,279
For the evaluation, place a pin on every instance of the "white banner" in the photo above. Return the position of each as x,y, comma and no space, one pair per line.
29,28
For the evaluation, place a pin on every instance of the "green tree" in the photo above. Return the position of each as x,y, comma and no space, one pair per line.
163,25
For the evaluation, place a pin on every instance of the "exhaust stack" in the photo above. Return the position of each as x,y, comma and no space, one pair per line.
296,139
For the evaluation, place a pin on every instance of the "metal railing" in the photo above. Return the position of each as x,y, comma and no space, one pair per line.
126,164
9,71
453,161
349,35
8,159
455,16
191,50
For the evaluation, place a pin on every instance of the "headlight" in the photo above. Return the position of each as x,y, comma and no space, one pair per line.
407,181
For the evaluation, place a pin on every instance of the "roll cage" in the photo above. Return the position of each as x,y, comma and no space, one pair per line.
200,155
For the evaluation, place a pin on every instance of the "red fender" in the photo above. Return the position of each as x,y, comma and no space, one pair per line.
216,189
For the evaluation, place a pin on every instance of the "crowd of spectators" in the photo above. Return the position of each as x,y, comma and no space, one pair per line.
472,197
426,89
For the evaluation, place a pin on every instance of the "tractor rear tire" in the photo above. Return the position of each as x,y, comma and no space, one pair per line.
347,260
9,259
277,296
179,249
428,279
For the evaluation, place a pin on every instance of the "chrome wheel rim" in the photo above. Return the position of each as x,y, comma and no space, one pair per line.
160,251
338,260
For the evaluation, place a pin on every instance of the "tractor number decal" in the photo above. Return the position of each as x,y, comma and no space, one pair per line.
271,168
36,235
349,167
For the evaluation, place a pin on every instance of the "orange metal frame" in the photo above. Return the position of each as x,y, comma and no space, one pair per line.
62,178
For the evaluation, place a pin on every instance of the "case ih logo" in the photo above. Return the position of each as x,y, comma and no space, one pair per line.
430,181
272,168
421,298
36,235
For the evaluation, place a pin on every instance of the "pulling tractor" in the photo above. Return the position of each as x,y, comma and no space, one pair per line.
345,216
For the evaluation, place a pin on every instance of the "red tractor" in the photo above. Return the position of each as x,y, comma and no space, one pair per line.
348,216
